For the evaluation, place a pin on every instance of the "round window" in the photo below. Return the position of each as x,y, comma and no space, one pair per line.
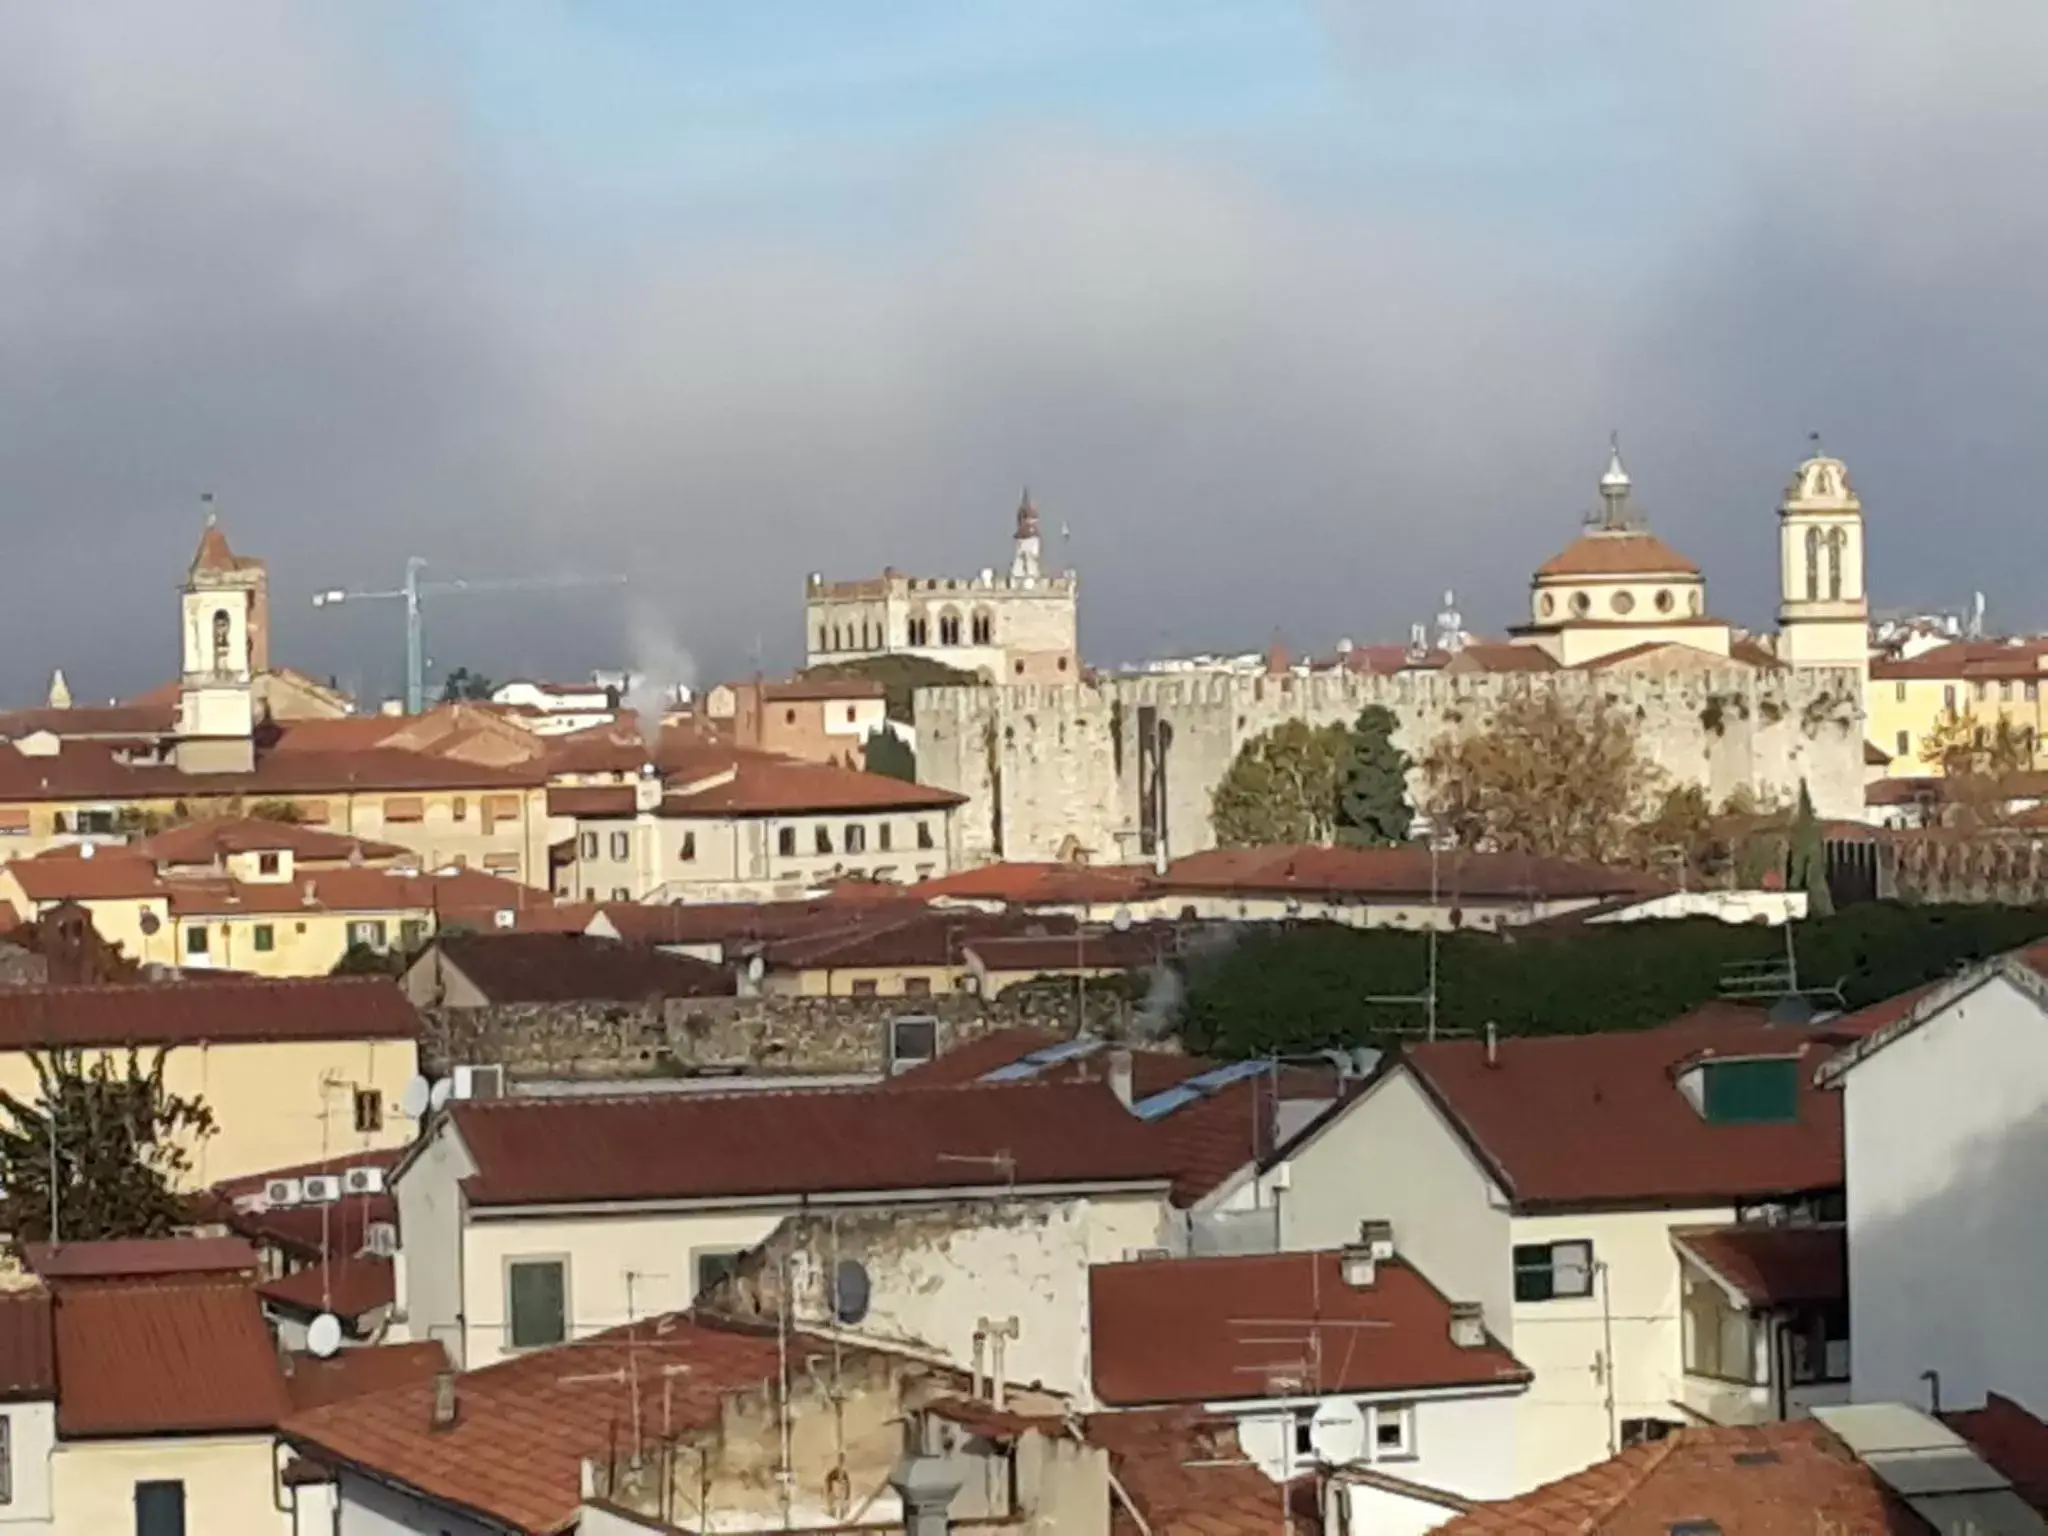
1664,601
1581,604
1548,605
1692,602
1624,602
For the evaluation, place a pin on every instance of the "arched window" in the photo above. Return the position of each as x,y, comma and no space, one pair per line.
824,638
1812,564
221,625
949,628
1838,539
984,628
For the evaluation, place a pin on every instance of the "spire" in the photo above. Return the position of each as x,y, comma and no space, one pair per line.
60,691
1024,562
214,554
1027,517
1615,487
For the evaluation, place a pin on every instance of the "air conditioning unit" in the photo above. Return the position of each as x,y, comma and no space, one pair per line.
363,1181
480,1082
381,1240
283,1192
321,1188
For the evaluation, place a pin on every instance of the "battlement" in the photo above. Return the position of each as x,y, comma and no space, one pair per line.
894,584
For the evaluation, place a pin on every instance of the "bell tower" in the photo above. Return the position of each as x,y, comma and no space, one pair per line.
1823,607
221,637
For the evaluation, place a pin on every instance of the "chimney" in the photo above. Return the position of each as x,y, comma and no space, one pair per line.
1358,1267
1377,1238
1468,1325
444,1399
1492,1044
926,1485
1122,1076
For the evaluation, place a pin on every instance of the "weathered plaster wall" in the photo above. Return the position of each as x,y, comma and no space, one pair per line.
1102,766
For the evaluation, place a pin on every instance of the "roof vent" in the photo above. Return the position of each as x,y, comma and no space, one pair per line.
444,1400
1358,1266
1468,1326
1693,1528
1762,1458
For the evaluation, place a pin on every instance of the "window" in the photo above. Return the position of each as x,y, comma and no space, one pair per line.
1581,604
369,1110
1983,688
1664,600
1017,667
918,631
983,628
405,808
856,837
160,1508
1392,1432
2005,690
882,837
368,932
911,1041
687,849
823,638
1905,743
1624,601
459,809
412,933
221,626
6,1459
821,838
1948,696
924,835
868,988
2033,692
537,1297
1751,1092
789,717
1899,693
850,714
1720,1339
1553,1271
1063,663
268,864
712,1265
949,629
265,937
96,823
1817,1345
785,842
622,847
196,940
1304,1435
586,846
1812,565
917,986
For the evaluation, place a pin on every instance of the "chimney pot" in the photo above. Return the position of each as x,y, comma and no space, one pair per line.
1357,1266
1468,1325
1123,1075
444,1399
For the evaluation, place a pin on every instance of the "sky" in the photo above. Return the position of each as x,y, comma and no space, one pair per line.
1292,313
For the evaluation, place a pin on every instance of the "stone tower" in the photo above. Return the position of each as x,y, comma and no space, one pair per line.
225,613
1024,562
1824,607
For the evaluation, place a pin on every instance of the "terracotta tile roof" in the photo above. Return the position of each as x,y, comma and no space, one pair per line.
460,895
248,1185
2024,784
1788,1479
314,1383
575,967
199,842
28,1366
514,1454
2012,1440
109,875
348,1286
1134,949
1175,1331
717,922
1575,1120
1501,656
1773,1266
1969,659
1399,871
1188,1476
99,770
893,934
762,785
168,1357
712,1146
214,555
141,1257
1042,884
591,800
212,1011
306,1233
137,720
1617,554
973,1059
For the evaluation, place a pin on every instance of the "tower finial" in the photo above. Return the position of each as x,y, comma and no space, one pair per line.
1614,487
206,505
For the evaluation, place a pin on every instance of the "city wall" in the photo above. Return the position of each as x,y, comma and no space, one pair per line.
1123,768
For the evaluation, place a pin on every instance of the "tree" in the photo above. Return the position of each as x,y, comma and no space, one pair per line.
889,754
117,1141
1548,776
1809,859
1977,763
461,683
361,959
1372,785
285,811
1282,788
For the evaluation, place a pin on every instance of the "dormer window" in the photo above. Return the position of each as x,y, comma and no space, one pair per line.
1753,1091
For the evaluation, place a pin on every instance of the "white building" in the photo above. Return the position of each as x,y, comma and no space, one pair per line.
1551,1180
1945,1121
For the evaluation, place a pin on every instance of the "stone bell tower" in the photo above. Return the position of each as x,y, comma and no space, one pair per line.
1824,607
225,612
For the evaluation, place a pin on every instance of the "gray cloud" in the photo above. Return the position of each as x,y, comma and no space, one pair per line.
252,256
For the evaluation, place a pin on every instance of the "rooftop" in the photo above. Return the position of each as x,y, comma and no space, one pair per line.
218,1012
576,967
141,1258
1766,1267
164,1357
726,1146
1275,1325
1616,552
312,1382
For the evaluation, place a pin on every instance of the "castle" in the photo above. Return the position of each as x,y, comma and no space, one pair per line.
1123,769
1014,628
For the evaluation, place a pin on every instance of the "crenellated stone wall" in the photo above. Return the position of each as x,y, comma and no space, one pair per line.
1105,767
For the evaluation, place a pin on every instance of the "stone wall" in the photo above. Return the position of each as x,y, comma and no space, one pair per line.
1104,767
680,1036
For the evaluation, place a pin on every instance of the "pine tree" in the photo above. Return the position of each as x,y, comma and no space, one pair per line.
1372,787
111,1139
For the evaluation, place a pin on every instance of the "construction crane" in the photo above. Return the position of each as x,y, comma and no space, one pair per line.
415,590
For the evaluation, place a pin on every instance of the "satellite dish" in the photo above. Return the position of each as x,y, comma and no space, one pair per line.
323,1335
417,1098
1121,922
1267,1439
149,922
437,1097
850,1291
1338,1432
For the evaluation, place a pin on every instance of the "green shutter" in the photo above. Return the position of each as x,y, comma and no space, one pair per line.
1752,1092
1535,1279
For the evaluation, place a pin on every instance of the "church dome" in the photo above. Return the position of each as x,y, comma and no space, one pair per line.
1621,552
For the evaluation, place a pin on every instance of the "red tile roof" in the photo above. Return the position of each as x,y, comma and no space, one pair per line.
1134,949
1028,884
591,800
1575,1120
141,1257
460,895
1605,553
1400,871
200,842
761,785
718,922
1789,1479
1969,659
251,1184
169,1357
1189,1477
1251,1326
576,967
347,1285
210,1011
713,1146
214,555
870,934
2012,1440
314,1383
514,1454
28,1367
136,720
1773,1266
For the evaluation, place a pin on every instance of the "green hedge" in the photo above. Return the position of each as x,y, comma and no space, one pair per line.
1302,987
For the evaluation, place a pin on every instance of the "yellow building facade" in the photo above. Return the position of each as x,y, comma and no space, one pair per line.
1978,682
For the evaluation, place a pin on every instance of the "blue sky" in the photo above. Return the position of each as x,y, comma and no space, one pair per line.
1297,313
